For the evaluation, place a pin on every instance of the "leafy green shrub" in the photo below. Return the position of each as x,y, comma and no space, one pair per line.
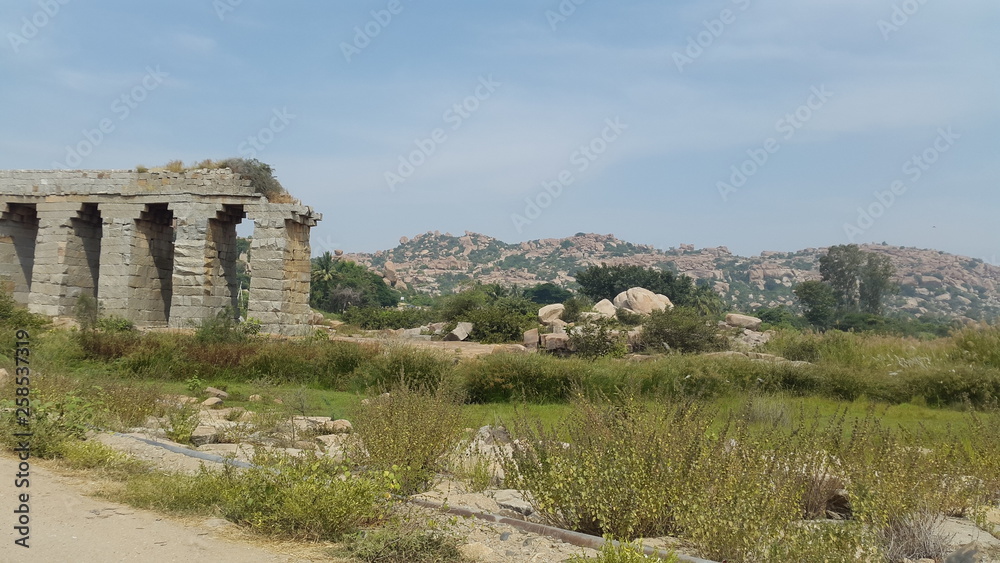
622,472
681,329
451,307
17,317
378,318
409,431
633,469
305,497
91,456
629,319
495,324
181,423
597,338
623,552
976,386
115,323
574,306
225,328
796,346
506,377
405,543
176,493
419,367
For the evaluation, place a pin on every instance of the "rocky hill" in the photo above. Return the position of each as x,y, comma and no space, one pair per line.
931,282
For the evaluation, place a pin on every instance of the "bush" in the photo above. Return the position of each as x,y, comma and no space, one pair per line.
506,377
377,318
597,339
624,552
418,367
115,323
408,431
574,306
681,329
176,493
261,177
14,316
305,497
496,324
405,542
225,328
451,307
638,470
95,456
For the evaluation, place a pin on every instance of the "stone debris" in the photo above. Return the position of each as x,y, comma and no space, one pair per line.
743,321
549,313
213,392
461,332
641,301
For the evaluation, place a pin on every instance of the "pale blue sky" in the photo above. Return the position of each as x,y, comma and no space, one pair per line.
335,98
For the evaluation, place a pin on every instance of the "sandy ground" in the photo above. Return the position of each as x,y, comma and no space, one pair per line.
68,526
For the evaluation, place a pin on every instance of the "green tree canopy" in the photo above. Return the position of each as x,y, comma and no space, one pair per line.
819,301
860,280
547,294
840,268
339,284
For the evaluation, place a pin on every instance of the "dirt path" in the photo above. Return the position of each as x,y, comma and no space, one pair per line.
67,526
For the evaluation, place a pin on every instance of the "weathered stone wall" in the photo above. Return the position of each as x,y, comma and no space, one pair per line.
158,248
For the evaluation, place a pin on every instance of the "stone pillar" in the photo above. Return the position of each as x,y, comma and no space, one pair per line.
280,266
192,299
114,278
56,255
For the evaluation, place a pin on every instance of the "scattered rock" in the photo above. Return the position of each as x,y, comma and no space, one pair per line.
550,313
964,534
510,349
340,426
558,326
531,339
512,500
591,316
490,435
555,341
213,392
255,398
212,402
642,301
204,435
743,321
412,332
461,332
606,308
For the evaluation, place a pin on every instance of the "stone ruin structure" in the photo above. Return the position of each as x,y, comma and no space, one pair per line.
158,248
